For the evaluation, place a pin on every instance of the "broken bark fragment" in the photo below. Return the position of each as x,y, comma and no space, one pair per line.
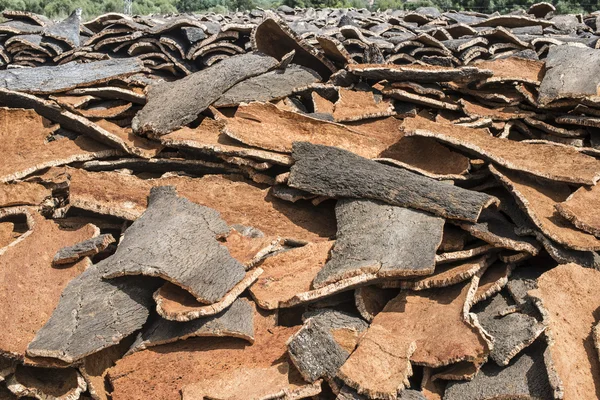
356,105
53,79
235,321
567,297
358,250
265,126
568,165
418,73
94,367
23,194
348,175
43,383
175,104
274,85
370,300
514,69
90,247
208,274
492,281
537,199
579,209
111,92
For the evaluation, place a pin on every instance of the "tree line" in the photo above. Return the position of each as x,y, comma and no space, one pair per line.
61,8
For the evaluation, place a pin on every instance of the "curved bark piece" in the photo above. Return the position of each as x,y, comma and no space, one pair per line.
24,129
94,367
273,37
333,172
568,299
418,73
412,238
236,321
175,104
238,201
538,199
370,300
46,383
159,244
357,105
579,208
28,283
111,92
274,85
464,254
53,79
265,126
93,314
90,247
567,164
23,194
514,69
67,30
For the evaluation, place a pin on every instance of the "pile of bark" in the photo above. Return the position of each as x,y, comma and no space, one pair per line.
289,223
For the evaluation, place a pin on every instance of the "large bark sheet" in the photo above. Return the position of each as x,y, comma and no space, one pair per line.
418,73
176,240
581,209
381,239
333,172
175,104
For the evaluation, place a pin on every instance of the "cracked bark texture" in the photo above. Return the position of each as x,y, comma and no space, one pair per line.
382,239
89,247
176,240
333,172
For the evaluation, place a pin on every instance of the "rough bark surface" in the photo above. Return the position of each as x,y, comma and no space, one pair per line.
418,73
42,383
579,208
90,247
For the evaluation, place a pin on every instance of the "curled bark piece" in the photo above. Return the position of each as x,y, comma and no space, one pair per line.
418,73
207,273
492,281
52,79
464,254
358,250
90,247
47,384
111,92
66,30
235,321
579,209
173,105
568,165
333,172
370,300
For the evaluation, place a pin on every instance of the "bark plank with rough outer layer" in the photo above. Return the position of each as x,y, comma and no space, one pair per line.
581,209
175,104
25,148
544,160
356,105
23,194
333,172
87,248
265,126
538,200
568,298
159,244
60,78
236,321
514,69
408,327
411,241
273,85
45,383
418,73
33,289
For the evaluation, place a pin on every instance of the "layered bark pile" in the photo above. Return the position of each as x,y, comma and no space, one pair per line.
301,219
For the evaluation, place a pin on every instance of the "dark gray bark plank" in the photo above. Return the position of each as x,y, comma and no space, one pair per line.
382,239
236,321
52,79
273,85
418,73
176,240
67,30
70,254
93,314
172,105
333,172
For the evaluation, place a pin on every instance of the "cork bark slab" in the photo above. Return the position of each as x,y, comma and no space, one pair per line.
238,201
495,114
559,80
29,284
318,350
186,362
370,300
568,300
411,241
568,165
406,96
207,137
265,126
236,321
23,194
176,304
87,248
93,314
356,105
159,244
527,377
579,209
94,367
43,383
418,73
274,85
273,37
514,69
111,92
454,239
175,104
25,149
52,79
333,172
538,200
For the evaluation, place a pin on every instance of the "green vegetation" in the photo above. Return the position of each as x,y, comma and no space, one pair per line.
61,8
